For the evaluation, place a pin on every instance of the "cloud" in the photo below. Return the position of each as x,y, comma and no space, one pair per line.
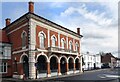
99,28
96,17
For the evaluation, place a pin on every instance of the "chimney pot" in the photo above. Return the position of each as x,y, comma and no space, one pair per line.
8,21
31,7
78,31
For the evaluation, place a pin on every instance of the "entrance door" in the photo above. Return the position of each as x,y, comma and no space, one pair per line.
63,65
25,66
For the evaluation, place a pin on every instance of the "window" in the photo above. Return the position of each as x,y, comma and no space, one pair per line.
53,41
62,43
23,39
77,47
70,45
3,67
42,40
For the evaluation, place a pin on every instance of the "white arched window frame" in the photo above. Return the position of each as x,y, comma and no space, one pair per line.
76,46
42,37
23,36
53,39
63,43
70,45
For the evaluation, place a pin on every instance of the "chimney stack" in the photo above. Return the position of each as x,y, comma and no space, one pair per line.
78,31
8,21
31,7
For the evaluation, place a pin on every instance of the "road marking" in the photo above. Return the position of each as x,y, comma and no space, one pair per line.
115,76
101,76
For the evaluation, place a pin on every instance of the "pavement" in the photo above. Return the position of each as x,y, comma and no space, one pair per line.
93,76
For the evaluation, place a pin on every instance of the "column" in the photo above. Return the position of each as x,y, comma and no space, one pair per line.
81,70
74,68
32,68
74,44
59,40
67,41
48,38
67,68
48,70
59,70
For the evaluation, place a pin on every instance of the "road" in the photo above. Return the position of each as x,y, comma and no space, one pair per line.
106,75
101,75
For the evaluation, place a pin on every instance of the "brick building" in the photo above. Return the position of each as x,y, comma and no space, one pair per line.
42,48
5,55
109,59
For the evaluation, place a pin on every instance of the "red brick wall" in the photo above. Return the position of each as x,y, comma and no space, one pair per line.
16,40
9,68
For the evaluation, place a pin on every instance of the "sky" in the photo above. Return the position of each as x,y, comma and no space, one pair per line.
97,19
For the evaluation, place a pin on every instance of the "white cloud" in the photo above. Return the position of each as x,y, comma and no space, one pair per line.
96,17
99,30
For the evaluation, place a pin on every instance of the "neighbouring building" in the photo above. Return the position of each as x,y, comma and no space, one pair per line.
108,60
91,61
42,48
5,55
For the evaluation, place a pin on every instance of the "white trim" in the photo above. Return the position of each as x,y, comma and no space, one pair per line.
55,29
65,58
62,39
59,74
54,36
58,40
17,28
41,32
43,54
21,57
48,75
67,73
48,38
19,51
77,58
58,60
18,76
70,42
42,50
23,32
73,44
72,58
67,41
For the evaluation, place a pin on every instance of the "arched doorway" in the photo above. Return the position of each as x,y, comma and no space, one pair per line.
63,62
25,66
41,64
77,64
71,64
53,66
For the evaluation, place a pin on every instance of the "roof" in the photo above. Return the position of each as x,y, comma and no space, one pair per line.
3,37
45,20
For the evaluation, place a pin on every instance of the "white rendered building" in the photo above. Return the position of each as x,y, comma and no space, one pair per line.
91,61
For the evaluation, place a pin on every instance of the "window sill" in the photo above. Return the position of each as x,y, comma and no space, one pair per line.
24,47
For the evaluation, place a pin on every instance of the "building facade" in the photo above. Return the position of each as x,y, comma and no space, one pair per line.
5,55
42,48
108,60
91,61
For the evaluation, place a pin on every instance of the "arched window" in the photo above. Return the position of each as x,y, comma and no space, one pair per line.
62,43
42,40
76,47
70,45
53,41
23,36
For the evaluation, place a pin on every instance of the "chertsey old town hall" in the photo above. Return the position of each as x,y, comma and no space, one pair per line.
34,47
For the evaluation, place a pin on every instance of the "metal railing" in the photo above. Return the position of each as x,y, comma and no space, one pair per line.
55,49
